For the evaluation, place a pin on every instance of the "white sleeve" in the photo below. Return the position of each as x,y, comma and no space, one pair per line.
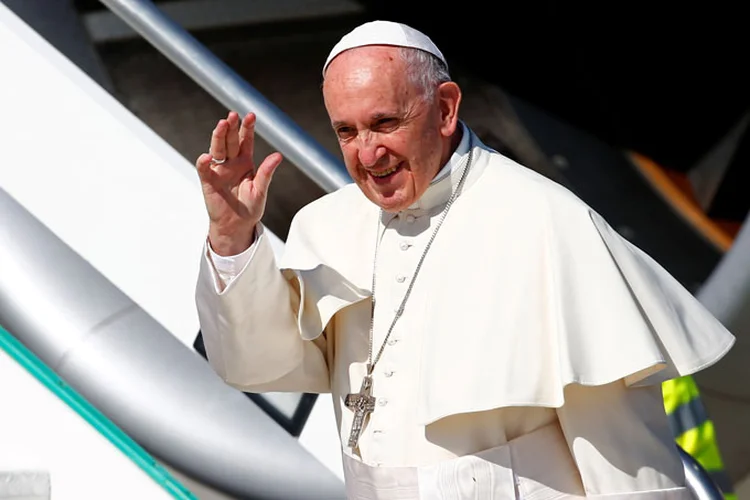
229,267
250,328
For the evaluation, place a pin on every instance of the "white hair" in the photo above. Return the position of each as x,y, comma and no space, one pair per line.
424,70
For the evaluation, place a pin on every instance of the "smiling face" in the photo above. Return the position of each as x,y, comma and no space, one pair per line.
393,140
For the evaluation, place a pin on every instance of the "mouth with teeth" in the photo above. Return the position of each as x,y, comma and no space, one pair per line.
385,174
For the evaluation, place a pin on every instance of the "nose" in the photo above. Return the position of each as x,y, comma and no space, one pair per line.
370,149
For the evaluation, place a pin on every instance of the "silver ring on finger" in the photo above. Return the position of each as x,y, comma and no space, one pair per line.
214,161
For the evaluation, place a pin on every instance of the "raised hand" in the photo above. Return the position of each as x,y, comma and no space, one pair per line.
234,190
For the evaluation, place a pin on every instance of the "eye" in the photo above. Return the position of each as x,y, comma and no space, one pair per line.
386,123
344,133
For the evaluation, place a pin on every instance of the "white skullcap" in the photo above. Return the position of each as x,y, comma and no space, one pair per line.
384,33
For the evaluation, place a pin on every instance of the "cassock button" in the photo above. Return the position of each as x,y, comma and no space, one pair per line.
392,341
382,401
389,373
400,278
410,219
404,246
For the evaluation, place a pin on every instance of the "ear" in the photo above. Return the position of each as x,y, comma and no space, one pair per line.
449,98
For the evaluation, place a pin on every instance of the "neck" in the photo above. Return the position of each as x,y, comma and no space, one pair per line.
455,141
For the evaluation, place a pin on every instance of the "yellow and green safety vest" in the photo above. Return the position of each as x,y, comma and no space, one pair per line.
693,430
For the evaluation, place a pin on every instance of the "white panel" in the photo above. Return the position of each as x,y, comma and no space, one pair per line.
39,432
320,435
99,178
112,189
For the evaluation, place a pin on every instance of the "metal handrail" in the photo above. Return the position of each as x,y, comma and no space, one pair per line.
697,479
226,86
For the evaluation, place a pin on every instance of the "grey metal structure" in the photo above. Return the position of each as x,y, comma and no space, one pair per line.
59,23
227,87
698,480
159,391
726,293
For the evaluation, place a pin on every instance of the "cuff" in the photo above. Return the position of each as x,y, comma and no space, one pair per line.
229,267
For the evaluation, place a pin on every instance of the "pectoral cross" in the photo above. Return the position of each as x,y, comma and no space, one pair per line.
362,404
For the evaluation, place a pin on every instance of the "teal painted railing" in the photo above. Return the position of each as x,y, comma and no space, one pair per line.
93,416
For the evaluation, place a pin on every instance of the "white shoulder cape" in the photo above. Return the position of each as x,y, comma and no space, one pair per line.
531,290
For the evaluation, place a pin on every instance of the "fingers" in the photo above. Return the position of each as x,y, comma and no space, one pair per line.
218,148
247,136
233,138
203,166
266,170
230,140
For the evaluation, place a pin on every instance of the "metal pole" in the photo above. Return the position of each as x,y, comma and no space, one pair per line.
157,390
698,480
726,293
232,91
59,23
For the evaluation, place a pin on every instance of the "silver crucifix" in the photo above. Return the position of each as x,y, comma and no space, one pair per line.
362,404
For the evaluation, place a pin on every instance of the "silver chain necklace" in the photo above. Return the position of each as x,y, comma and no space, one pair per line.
363,403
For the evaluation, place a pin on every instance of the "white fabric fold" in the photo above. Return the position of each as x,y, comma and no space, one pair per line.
556,296
232,352
527,301
228,267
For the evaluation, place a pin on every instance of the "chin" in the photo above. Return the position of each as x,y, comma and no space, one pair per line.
392,201
384,203
390,205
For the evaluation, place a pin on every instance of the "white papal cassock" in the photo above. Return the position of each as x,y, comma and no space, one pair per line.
528,360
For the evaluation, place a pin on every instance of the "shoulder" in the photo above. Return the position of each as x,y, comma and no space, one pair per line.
332,218
541,210
335,232
346,202
530,192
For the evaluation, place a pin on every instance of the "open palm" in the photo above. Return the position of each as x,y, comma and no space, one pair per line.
234,190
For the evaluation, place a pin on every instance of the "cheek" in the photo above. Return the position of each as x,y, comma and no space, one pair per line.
422,179
426,160
351,161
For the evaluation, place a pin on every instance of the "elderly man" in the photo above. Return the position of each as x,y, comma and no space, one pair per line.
485,334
